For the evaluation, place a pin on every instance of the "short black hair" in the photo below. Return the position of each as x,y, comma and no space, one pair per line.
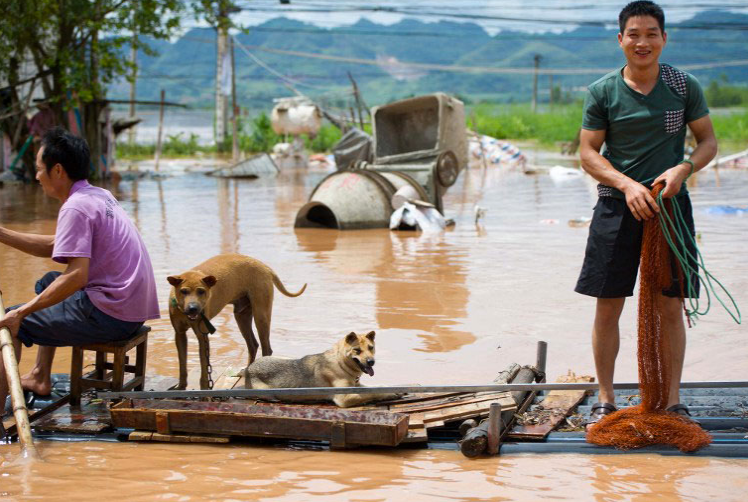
68,150
641,8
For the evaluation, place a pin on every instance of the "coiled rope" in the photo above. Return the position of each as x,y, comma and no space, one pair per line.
678,235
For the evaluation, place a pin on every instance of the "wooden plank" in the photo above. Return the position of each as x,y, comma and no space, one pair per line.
547,415
451,403
176,438
266,420
229,379
87,418
418,435
468,410
10,424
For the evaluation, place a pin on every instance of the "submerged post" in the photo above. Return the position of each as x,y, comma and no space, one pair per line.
20,413
494,429
540,360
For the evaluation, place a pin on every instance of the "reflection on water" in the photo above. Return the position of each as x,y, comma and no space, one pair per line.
453,308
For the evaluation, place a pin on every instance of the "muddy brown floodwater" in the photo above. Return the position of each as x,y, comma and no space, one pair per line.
448,309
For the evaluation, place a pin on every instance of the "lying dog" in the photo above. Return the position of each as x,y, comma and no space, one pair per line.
341,366
200,294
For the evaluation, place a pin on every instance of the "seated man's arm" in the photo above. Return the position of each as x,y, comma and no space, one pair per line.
73,279
33,244
638,199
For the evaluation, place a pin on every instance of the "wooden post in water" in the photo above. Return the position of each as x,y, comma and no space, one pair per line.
160,128
494,429
20,412
541,358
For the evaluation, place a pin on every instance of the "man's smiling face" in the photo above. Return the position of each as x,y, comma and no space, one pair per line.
642,41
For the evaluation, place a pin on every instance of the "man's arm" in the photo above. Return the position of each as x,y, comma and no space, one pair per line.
73,279
638,199
706,149
33,244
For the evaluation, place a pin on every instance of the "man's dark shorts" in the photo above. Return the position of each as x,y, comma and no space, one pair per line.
611,261
72,322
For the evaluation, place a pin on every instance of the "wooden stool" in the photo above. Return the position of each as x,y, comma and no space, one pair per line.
113,380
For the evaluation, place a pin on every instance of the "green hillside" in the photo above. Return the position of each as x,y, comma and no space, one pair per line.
186,68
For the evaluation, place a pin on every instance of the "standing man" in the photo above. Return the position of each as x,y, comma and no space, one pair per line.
640,113
107,290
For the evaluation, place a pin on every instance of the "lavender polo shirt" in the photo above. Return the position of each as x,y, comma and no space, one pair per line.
91,224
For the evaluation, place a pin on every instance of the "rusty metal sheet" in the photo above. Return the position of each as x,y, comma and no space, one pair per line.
261,420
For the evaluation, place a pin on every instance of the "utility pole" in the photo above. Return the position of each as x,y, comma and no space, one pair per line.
133,60
234,109
537,59
550,89
221,101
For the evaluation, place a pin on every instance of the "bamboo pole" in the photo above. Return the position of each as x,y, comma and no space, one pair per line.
20,412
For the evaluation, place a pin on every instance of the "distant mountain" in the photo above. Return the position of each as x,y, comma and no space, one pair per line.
186,68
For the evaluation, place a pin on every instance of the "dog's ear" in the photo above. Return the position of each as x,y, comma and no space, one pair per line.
370,335
210,280
351,338
175,280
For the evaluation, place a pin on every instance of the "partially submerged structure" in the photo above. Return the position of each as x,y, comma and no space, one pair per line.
419,142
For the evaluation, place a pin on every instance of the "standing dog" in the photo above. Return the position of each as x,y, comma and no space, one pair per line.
200,293
341,366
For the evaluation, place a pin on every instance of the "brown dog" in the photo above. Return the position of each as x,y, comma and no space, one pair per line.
200,293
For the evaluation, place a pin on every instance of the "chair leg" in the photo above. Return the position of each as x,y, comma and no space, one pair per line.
76,373
140,356
100,365
118,374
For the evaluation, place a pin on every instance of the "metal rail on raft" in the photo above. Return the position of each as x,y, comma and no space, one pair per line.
307,391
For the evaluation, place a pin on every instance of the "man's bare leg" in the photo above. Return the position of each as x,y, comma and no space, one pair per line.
4,377
39,379
605,344
672,324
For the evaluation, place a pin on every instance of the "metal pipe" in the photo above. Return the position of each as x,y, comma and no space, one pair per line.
329,391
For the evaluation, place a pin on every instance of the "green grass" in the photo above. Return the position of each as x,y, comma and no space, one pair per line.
547,126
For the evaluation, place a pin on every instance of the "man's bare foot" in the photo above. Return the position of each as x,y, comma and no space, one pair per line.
36,383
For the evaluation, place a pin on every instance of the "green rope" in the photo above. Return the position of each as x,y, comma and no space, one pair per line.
676,232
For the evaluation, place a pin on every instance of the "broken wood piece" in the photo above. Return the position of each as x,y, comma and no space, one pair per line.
555,407
175,438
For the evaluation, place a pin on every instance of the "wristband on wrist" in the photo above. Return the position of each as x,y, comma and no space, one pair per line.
690,162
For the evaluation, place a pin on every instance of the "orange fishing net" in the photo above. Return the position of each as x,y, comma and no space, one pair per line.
649,423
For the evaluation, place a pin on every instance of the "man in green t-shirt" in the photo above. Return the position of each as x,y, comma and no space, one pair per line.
639,113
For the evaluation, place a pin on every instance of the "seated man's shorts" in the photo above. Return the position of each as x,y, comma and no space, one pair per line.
74,321
611,260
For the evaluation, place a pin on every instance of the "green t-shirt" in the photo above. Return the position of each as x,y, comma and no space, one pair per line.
645,135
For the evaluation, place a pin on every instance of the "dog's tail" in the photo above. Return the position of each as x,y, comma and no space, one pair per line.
282,288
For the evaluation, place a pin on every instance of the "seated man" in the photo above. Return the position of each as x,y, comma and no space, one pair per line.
107,290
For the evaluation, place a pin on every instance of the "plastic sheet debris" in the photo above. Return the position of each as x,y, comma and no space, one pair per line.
411,213
580,222
561,173
296,115
353,146
727,210
495,151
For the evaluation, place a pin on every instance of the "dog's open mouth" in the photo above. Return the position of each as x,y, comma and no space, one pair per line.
365,368
193,317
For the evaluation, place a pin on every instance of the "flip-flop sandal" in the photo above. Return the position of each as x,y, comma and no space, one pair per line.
600,410
682,410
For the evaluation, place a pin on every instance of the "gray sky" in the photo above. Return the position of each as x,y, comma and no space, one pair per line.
561,13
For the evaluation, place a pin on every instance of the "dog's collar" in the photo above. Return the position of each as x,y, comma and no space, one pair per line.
206,321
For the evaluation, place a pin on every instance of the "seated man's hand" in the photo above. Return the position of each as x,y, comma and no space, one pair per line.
12,321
